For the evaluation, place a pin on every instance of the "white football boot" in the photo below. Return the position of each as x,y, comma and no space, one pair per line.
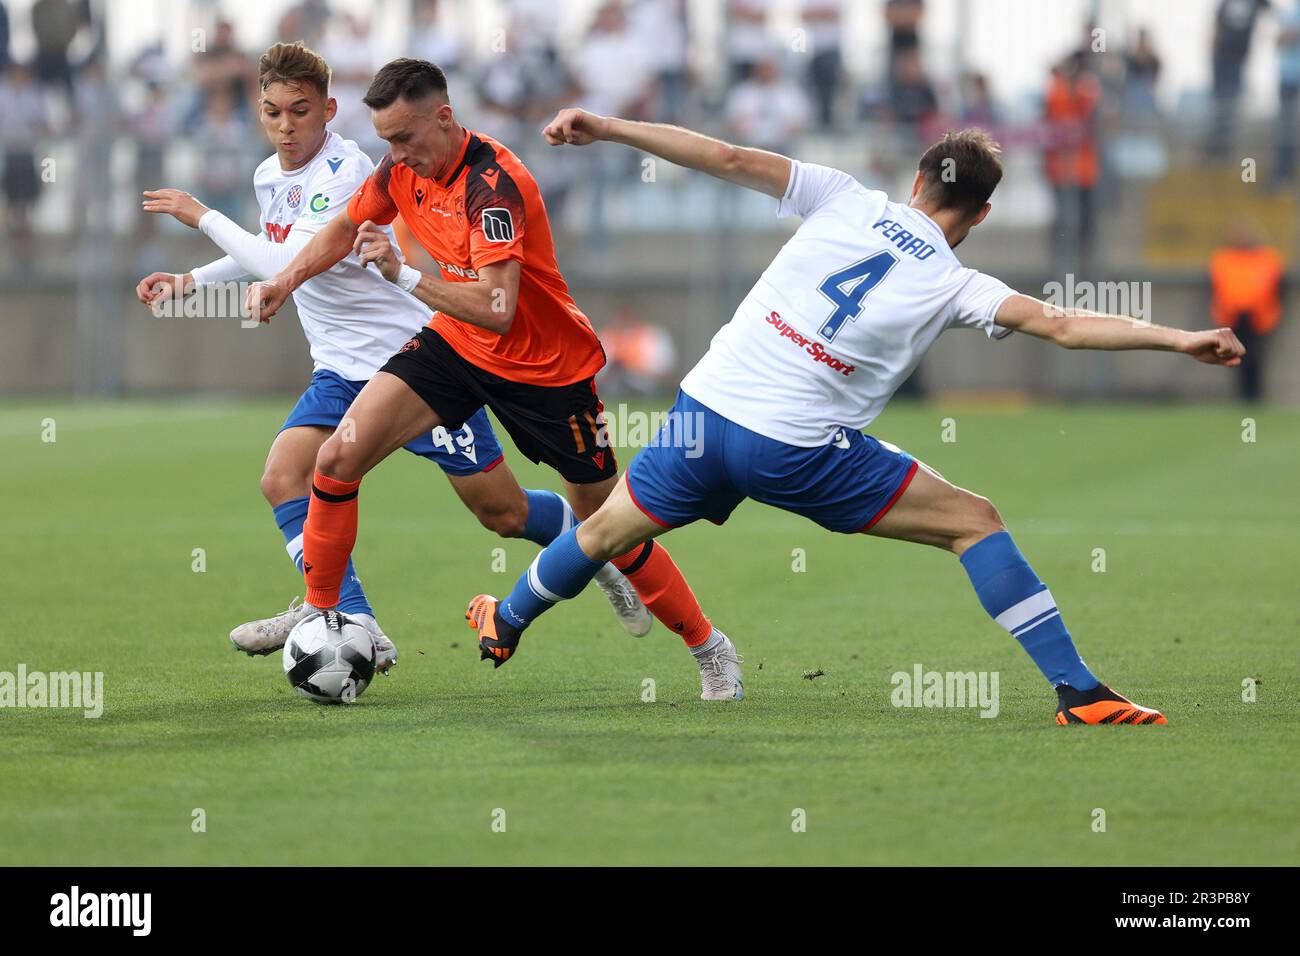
269,634
720,675
385,650
632,613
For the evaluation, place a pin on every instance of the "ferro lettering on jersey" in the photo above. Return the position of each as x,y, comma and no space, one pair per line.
908,243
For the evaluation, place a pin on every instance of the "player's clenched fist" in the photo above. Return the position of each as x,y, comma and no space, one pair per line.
372,245
264,299
1216,347
163,285
575,127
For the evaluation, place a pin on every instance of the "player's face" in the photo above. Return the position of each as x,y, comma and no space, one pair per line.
420,135
294,119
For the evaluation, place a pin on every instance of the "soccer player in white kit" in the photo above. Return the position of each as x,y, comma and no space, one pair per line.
354,320
775,409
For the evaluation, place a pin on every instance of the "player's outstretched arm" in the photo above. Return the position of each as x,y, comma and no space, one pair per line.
326,249
753,168
1080,329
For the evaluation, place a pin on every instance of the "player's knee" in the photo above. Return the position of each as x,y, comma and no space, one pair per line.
338,459
981,519
282,484
990,518
600,540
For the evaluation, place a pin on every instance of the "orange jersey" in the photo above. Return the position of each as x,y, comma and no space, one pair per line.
488,210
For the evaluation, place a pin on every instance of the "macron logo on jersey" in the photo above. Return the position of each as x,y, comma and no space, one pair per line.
334,164
815,349
498,225
908,243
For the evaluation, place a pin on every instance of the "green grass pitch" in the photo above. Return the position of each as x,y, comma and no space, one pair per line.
98,531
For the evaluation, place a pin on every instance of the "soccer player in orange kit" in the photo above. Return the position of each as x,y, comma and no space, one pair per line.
506,333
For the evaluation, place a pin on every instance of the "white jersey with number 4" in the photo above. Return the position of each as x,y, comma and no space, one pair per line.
354,318
842,316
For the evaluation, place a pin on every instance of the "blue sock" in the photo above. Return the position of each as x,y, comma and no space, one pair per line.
560,572
549,516
1015,597
290,516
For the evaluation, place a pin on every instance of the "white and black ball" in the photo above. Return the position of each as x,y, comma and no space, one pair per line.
329,658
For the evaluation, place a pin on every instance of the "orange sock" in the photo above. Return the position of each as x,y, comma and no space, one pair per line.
328,537
665,592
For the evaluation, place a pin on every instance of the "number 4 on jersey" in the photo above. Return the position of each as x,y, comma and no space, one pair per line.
848,287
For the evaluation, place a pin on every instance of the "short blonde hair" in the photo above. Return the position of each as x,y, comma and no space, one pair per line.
293,63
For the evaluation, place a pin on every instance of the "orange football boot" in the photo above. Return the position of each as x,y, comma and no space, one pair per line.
481,615
1101,705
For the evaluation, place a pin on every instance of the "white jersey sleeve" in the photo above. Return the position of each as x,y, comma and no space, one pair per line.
977,302
224,269
254,255
811,187
326,190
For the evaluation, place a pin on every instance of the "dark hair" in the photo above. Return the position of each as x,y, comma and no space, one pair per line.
405,79
962,170
295,64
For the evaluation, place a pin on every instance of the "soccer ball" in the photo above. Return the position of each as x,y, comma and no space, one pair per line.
329,658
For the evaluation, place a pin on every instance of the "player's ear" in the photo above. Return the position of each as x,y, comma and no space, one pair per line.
918,184
331,108
979,216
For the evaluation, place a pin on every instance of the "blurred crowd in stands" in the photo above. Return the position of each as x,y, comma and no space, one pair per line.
630,59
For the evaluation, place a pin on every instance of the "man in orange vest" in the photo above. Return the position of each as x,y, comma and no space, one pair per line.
1071,158
1246,280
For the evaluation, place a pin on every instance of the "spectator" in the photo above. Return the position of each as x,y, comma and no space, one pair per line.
1071,158
822,20
616,78
4,39
305,21
1288,63
97,123
612,66
151,65
903,19
1246,279
535,26
432,41
223,67
746,33
1234,24
1141,71
55,24
23,120
912,100
519,85
767,110
223,140
977,108
665,22
152,131
347,50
